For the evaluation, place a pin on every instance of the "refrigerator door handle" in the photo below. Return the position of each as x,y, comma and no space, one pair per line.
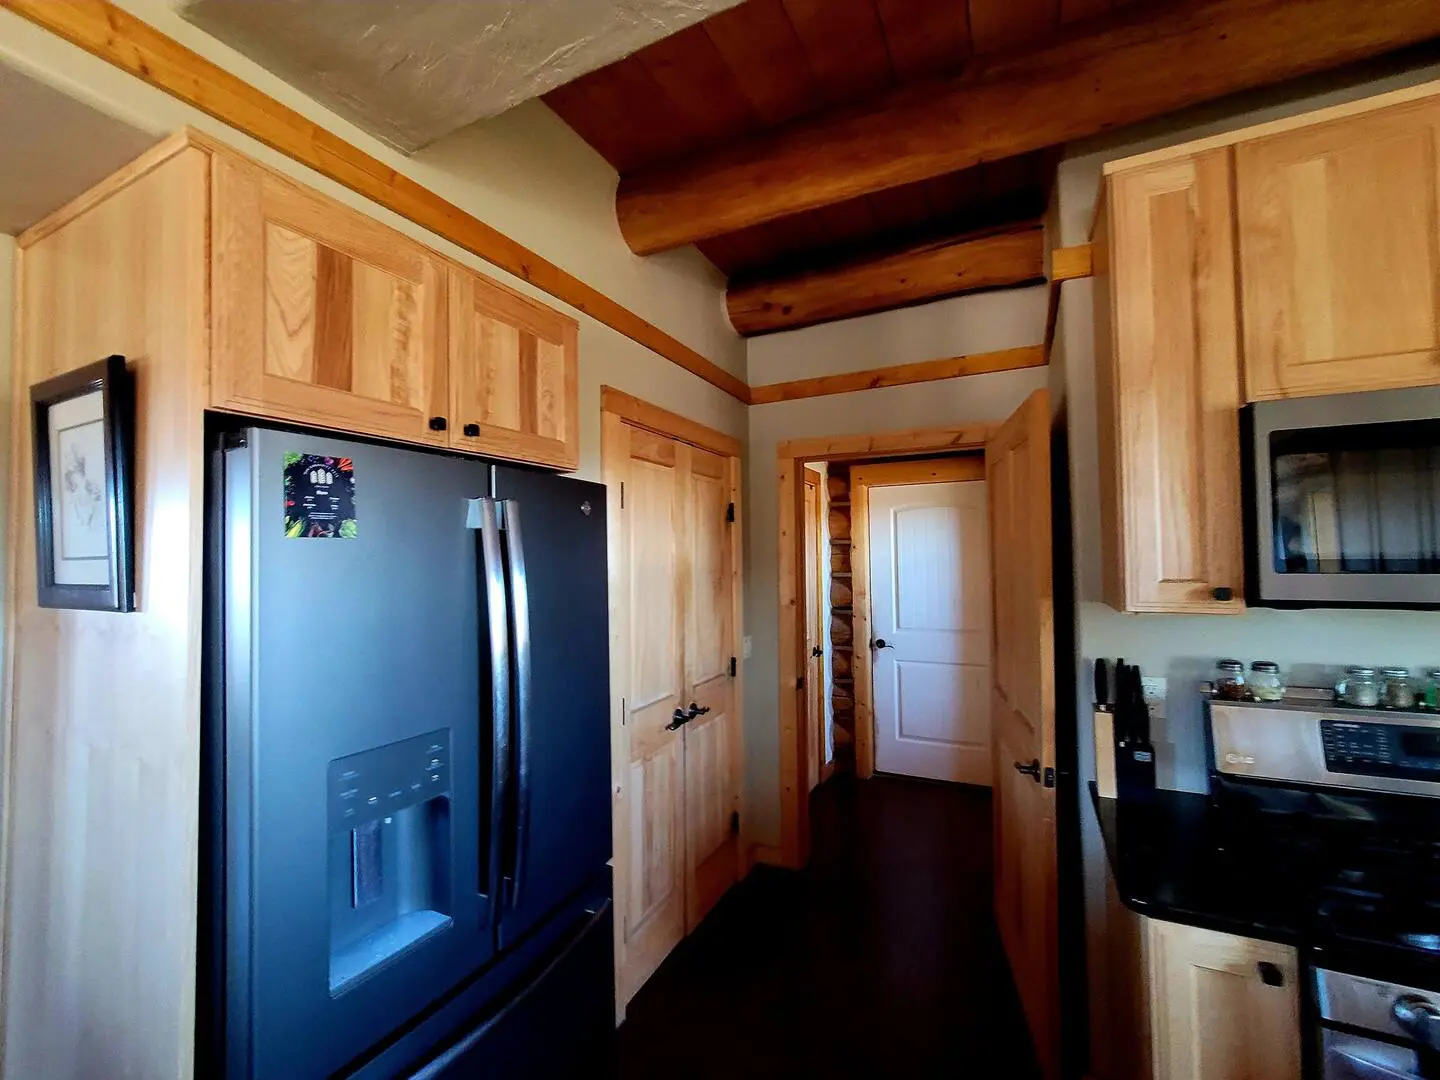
496,611
520,630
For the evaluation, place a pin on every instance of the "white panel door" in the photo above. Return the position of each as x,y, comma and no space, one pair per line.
930,606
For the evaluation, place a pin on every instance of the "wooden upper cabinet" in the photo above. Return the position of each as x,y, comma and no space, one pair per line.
1339,229
322,315
1168,388
1221,1007
514,375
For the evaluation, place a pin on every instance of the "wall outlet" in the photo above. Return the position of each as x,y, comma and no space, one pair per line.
1155,688
747,646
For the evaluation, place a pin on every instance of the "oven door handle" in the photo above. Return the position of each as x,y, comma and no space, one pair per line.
1341,1064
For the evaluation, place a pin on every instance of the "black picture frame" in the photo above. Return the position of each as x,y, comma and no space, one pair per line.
112,487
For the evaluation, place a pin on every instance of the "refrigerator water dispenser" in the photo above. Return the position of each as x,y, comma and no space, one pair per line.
389,822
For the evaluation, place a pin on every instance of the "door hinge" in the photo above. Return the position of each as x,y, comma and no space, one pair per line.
730,512
623,719
733,666
1049,780
735,822
622,494
800,682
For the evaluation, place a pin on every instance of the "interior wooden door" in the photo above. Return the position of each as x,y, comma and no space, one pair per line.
712,737
1170,390
649,760
513,374
815,608
1017,467
1339,254
320,314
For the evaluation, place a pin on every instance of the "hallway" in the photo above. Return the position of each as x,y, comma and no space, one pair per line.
881,960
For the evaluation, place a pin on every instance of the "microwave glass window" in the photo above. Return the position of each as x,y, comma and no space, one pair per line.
1358,499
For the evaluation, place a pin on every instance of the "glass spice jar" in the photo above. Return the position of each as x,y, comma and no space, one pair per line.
1265,682
1360,688
1399,694
1230,680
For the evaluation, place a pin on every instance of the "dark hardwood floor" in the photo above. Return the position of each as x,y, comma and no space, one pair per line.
880,960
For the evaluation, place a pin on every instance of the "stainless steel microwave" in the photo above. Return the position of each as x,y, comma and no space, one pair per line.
1343,500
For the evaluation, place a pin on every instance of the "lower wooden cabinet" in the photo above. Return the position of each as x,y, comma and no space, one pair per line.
1221,1007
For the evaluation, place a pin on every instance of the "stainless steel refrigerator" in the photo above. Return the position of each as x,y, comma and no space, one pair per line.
405,805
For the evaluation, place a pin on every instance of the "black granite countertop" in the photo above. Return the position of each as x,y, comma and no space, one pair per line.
1173,859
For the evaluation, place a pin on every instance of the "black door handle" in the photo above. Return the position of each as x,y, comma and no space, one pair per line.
696,710
1032,770
678,721
879,643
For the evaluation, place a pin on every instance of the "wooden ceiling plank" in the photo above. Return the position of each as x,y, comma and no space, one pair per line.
845,47
656,130
1012,24
690,70
1141,63
924,272
759,44
925,37
901,209
954,367
743,251
588,114
1076,10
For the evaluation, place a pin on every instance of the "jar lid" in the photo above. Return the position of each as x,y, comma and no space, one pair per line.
1362,672
1396,673
1269,667
1229,665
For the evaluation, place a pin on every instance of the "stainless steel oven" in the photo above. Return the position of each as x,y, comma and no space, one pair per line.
1375,1030
1343,497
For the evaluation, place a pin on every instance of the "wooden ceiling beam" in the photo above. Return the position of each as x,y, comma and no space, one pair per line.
925,272
1143,62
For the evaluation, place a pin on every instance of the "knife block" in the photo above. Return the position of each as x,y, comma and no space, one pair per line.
1105,754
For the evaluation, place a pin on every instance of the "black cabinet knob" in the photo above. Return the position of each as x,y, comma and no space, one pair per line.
1270,975
437,423
472,430
817,651
1224,593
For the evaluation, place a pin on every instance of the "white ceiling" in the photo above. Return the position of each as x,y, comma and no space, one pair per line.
54,148
410,72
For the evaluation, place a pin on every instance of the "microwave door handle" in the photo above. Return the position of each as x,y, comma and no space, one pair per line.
520,636
495,617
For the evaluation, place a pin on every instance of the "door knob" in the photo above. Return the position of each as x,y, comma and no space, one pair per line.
879,643
696,710
678,721
1032,770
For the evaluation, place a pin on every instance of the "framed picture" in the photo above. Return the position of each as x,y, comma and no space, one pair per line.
84,428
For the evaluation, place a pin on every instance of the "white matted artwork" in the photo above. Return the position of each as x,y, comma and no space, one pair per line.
77,491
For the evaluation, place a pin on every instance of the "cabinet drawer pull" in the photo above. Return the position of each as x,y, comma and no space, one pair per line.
1270,974
472,430
437,423
1223,593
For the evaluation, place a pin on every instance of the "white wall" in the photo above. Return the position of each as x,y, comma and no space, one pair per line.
7,310
525,173
969,324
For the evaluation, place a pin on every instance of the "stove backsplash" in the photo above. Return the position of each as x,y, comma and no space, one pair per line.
1312,648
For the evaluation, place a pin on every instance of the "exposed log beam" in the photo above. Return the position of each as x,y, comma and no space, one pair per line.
953,367
119,38
925,272
1143,62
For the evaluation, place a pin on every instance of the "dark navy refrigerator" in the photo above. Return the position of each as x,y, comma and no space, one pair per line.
406,787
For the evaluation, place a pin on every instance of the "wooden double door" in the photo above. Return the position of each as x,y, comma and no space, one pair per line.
677,751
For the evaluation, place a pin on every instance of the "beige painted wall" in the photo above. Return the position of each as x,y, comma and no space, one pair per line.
7,311
968,324
525,173
1311,644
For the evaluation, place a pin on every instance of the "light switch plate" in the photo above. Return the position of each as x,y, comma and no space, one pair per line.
1155,688
747,646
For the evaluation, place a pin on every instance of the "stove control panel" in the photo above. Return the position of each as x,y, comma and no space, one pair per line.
1368,748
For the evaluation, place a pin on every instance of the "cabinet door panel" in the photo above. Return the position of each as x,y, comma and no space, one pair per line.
514,374
1213,1015
322,315
1340,254
1170,388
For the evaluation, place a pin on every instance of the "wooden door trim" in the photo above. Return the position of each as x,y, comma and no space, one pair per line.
618,411
862,479
790,459
812,478
638,413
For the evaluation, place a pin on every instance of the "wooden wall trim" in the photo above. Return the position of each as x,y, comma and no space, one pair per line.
119,38
886,444
953,367
663,422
